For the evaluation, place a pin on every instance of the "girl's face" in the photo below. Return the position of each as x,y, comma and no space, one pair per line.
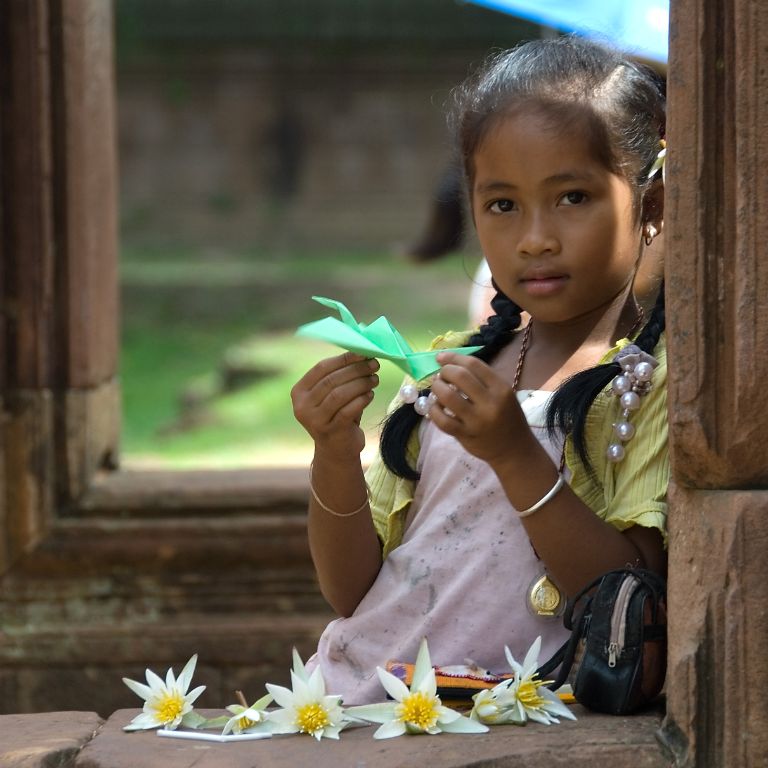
558,229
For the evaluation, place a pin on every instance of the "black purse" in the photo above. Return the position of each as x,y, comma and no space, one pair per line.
616,656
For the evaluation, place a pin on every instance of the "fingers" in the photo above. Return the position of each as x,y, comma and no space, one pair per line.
333,364
342,385
471,398
337,388
462,380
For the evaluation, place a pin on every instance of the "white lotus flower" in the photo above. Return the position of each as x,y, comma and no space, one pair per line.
166,704
521,699
253,719
414,710
306,708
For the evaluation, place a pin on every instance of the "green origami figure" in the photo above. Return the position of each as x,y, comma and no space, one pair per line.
380,339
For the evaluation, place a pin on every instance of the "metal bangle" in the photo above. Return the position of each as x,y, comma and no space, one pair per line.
333,511
547,497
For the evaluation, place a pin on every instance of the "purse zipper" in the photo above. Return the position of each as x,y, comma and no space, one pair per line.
619,619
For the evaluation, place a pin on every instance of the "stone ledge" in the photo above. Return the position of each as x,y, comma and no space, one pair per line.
596,741
48,740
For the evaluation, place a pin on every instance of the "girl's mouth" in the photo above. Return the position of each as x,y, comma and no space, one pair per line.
544,285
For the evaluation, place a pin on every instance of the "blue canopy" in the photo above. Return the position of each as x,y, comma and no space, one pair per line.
639,27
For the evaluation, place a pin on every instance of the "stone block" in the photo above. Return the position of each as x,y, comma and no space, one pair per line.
593,740
48,740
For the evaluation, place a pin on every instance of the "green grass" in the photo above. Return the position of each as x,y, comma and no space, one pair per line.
184,311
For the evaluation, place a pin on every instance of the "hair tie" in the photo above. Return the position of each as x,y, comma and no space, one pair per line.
629,386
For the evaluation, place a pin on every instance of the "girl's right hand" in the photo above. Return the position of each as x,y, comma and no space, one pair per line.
329,400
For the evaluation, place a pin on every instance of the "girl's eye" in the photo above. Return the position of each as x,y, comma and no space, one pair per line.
501,206
573,198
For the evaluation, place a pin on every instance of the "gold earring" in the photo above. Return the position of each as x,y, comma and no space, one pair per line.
650,233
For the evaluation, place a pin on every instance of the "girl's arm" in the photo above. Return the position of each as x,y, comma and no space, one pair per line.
328,402
345,550
575,544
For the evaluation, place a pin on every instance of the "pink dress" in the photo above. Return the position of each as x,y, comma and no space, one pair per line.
460,577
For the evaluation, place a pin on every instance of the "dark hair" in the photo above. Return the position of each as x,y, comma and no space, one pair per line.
621,106
619,102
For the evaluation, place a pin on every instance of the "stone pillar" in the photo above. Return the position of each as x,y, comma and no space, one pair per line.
717,280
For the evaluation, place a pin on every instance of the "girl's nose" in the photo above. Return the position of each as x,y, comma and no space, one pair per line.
538,237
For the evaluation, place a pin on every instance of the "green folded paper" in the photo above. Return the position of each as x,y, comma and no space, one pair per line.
380,339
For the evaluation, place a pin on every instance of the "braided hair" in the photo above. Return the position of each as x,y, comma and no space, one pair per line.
568,407
621,104
493,336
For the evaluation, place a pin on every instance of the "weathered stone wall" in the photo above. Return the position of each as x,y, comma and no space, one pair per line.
286,122
284,148
716,228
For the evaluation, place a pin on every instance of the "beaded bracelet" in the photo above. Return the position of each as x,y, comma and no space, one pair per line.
548,496
333,511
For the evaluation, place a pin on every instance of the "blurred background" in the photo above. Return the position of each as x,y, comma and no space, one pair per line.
271,150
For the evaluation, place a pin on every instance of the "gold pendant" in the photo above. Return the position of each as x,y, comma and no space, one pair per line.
545,597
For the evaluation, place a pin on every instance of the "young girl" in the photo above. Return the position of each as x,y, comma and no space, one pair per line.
539,466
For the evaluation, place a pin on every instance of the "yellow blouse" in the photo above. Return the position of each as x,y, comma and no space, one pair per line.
630,492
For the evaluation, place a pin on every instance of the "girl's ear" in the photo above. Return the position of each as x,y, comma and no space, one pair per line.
653,205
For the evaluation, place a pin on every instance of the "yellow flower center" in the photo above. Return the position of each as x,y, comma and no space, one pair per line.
245,722
418,709
528,693
312,717
169,706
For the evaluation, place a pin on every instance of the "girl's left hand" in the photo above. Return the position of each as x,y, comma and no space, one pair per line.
479,408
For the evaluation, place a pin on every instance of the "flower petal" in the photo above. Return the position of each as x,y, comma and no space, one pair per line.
511,716
263,727
230,724
263,702
513,665
446,715
155,681
142,722
315,684
423,665
283,721
532,657
194,720
332,706
254,715
298,666
185,678
192,695
463,725
538,716
394,686
390,729
374,713
282,696
144,691
428,684
554,704
301,691
136,727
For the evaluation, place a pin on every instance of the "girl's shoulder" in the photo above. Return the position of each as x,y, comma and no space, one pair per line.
451,339
659,351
